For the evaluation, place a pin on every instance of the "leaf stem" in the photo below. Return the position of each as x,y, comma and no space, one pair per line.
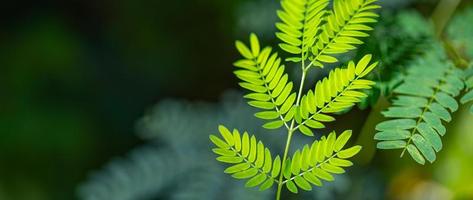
286,150
420,119
290,132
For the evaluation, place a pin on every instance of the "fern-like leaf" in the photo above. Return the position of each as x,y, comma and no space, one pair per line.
343,27
249,158
341,90
299,26
424,100
318,162
263,75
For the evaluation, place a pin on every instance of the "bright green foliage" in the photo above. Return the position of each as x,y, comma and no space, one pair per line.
263,75
342,89
302,34
318,162
309,33
423,101
299,26
249,158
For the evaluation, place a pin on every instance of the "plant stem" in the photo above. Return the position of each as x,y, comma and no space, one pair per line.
286,150
289,135
442,14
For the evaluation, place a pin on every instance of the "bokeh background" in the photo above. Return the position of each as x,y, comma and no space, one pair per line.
77,77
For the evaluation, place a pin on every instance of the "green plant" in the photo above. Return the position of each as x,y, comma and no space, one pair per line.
425,85
425,99
395,43
312,36
428,95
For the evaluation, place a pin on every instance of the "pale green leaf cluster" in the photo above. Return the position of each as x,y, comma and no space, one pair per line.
270,89
318,162
424,101
342,89
311,32
250,159
300,23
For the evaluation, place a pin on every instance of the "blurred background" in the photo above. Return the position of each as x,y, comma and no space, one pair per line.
77,77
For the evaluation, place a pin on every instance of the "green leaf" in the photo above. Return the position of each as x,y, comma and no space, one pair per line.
255,47
258,97
267,115
310,177
256,180
323,174
314,124
332,169
327,59
291,186
237,140
245,174
302,183
220,143
369,69
323,118
396,124
430,135
273,125
262,105
266,185
424,147
296,163
245,145
227,135
249,158
305,130
342,140
393,144
446,101
340,162
276,167
392,135
237,168
467,97
268,161
223,152
415,154
414,89
402,112
361,66
410,101
243,49
348,153
290,49
440,111
434,121
230,159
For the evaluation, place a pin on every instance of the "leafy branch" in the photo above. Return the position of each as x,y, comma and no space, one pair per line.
425,99
308,32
